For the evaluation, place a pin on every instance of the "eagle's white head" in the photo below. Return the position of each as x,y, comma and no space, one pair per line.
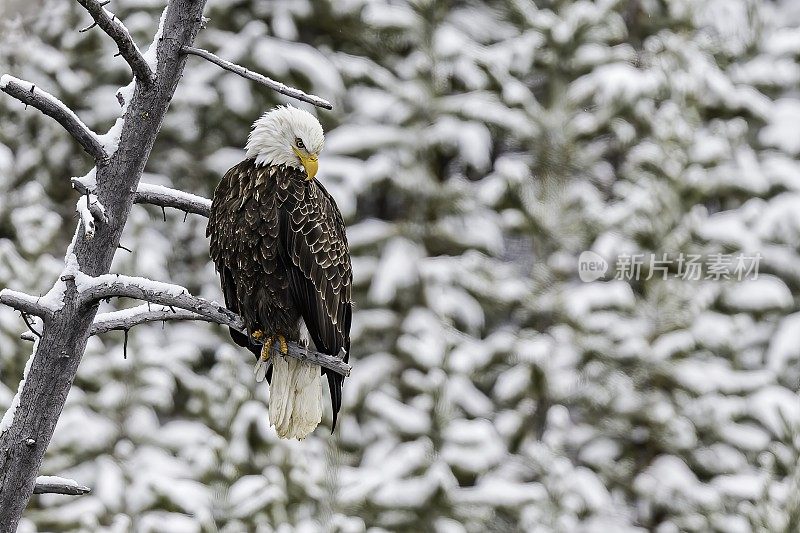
287,136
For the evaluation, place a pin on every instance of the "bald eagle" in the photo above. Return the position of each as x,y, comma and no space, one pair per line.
278,243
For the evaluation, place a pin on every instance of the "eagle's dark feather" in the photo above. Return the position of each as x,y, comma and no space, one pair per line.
278,242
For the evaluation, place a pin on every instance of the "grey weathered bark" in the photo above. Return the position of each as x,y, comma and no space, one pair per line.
59,351
69,313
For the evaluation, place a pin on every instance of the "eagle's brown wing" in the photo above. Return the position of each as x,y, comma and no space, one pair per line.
229,231
320,276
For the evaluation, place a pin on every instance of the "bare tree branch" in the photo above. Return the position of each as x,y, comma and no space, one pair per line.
110,286
128,318
29,94
56,485
259,78
147,193
25,303
141,314
117,31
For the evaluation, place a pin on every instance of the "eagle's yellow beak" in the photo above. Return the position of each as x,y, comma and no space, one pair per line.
310,162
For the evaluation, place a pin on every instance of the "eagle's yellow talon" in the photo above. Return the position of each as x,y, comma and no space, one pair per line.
266,349
257,335
284,347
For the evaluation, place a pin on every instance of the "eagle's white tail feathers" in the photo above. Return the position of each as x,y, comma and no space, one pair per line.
295,400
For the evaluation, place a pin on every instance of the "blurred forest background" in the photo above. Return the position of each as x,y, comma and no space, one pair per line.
475,149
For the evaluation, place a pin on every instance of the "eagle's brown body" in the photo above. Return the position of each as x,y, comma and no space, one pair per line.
278,242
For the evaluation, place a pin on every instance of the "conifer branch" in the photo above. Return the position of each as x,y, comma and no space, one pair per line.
117,31
258,78
29,94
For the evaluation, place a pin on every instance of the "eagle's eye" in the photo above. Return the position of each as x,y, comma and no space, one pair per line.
299,143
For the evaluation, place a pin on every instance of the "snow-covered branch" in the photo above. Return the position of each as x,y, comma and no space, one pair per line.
29,94
91,211
147,193
24,303
109,23
141,314
93,289
59,485
259,78
175,296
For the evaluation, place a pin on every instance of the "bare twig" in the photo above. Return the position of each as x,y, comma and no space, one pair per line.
165,197
29,94
117,31
24,303
259,78
54,485
87,28
110,286
27,320
80,186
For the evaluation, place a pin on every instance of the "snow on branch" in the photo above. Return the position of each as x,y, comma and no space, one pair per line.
254,76
59,485
109,23
29,94
127,318
147,193
90,210
24,303
174,296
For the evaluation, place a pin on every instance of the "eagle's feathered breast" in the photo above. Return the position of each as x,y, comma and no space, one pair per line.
278,242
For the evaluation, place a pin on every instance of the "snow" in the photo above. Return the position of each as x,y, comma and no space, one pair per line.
55,480
784,347
89,180
762,294
397,269
8,416
151,55
87,219
85,283
110,139
780,132
500,493
174,193
404,418
670,482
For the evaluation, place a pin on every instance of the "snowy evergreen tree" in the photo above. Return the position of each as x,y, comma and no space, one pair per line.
476,149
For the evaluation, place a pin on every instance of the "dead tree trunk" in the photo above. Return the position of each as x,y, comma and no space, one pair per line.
68,311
